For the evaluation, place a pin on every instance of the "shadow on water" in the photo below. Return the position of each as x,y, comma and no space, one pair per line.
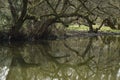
92,58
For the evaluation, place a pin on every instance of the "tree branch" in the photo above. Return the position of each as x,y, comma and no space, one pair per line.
13,11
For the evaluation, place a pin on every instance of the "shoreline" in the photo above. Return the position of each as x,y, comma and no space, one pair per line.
90,34
68,34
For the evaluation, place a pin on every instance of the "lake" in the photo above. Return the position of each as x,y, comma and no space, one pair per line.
83,58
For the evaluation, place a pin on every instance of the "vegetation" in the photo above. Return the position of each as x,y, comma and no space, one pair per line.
74,59
88,57
86,28
39,19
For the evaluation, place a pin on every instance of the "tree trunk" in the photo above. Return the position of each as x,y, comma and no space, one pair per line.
14,32
42,29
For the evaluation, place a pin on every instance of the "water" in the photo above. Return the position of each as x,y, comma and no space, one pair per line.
90,58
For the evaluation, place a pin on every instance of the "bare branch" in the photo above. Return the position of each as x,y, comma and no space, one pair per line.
13,11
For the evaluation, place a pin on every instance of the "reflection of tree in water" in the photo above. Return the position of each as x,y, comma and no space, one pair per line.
5,61
71,59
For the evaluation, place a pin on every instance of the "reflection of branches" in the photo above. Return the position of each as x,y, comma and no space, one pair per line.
86,61
88,47
71,49
105,40
84,70
18,59
46,51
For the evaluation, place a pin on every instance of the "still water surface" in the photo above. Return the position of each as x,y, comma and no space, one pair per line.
90,58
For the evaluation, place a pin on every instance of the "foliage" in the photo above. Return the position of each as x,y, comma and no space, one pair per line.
85,28
35,18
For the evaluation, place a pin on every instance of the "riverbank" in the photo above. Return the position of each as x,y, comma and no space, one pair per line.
73,33
4,37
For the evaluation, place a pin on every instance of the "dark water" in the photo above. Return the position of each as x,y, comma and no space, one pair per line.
92,58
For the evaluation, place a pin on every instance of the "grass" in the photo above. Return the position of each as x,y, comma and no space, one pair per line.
86,28
78,28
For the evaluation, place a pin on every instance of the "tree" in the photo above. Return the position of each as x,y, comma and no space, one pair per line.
34,18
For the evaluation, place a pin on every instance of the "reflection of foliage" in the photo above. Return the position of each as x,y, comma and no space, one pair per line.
48,60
